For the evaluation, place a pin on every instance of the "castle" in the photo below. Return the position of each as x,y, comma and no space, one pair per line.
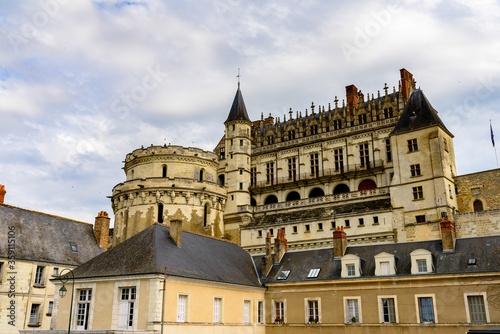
381,166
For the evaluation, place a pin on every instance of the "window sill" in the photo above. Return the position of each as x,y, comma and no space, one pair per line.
361,225
375,224
40,286
307,231
48,314
418,199
34,325
295,232
347,227
320,230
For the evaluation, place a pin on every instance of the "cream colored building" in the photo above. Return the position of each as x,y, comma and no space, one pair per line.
35,248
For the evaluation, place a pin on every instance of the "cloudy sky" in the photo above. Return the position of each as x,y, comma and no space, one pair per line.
83,83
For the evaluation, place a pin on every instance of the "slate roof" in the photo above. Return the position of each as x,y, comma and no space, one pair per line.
238,110
418,113
486,251
151,250
46,238
325,212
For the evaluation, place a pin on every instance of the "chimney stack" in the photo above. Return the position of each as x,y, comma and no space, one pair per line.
176,231
352,98
339,242
406,83
267,261
2,193
280,245
101,229
448,234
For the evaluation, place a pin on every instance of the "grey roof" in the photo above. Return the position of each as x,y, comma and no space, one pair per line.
46,238
325,212
418,113
486,251
150,251
238,110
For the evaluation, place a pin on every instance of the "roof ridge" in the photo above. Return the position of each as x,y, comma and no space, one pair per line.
45,214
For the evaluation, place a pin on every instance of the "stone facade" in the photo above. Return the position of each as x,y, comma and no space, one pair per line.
482,186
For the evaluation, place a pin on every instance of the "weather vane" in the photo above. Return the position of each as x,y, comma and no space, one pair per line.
238,76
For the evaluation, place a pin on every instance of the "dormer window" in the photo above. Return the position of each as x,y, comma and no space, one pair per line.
313,273
284,274
351,266
421,262
385,264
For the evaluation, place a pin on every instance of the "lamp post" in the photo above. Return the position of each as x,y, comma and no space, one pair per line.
62,291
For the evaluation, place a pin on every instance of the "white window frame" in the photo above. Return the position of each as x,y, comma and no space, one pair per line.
307,311
247,311
485,300
218,309
261,311
381,308
115,322
125,306
274,301
434,308
185,296
350,259
37,319
383,258
84,286
347,320
88,312
39,278
421,254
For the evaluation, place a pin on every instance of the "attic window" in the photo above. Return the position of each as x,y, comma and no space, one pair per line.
73,247
313,273
471,262
284,274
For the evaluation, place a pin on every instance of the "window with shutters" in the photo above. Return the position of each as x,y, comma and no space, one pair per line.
260,312
182,308
476,307
246,311
127,308
217,310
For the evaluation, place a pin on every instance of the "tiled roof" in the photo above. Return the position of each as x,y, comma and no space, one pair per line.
238,110
485,250
47,238
153,250
418,113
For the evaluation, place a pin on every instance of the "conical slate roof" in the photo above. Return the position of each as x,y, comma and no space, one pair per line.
152,250
418,113
238,110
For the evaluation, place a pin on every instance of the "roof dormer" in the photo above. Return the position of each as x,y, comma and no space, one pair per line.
385,264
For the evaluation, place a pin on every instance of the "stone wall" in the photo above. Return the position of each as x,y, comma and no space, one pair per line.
483,186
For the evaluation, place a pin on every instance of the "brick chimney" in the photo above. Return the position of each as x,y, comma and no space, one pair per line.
176,231
352,98
406,83
2,193
280,245
448,234
339,242
101,229
267,261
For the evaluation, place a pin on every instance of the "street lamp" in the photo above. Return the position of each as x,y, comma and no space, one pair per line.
62,291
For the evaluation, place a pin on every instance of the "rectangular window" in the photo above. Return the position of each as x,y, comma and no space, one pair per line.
339,160
337,124
334,225
291,134
39,275
422,266
351,270
320,226
412,145
241,185
270,172
388,310
308,227
388,150
217,310
362,119
363,155
352,310
253,176
126,308
241,142
388,113
385,269
182,308
55,272
314,129
50,308
271,232
477,309
294,229
347,223
418,193
361,221
270,139
426,309
260,312
246,311
83,309
415,170
279,315
259,233
313,311
35,308
375,220
314,164
420,219
292,169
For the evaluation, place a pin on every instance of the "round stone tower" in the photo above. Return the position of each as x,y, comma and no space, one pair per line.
165,183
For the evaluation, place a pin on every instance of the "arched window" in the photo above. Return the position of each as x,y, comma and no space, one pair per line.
478,206
316,192
366,185
253,202
292,196
221,180
205,214
164,173
160,213
201,175
271,199
341,188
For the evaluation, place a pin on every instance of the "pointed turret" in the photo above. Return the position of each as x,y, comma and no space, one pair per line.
238,110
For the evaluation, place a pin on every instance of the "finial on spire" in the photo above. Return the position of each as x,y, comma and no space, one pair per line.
238,76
